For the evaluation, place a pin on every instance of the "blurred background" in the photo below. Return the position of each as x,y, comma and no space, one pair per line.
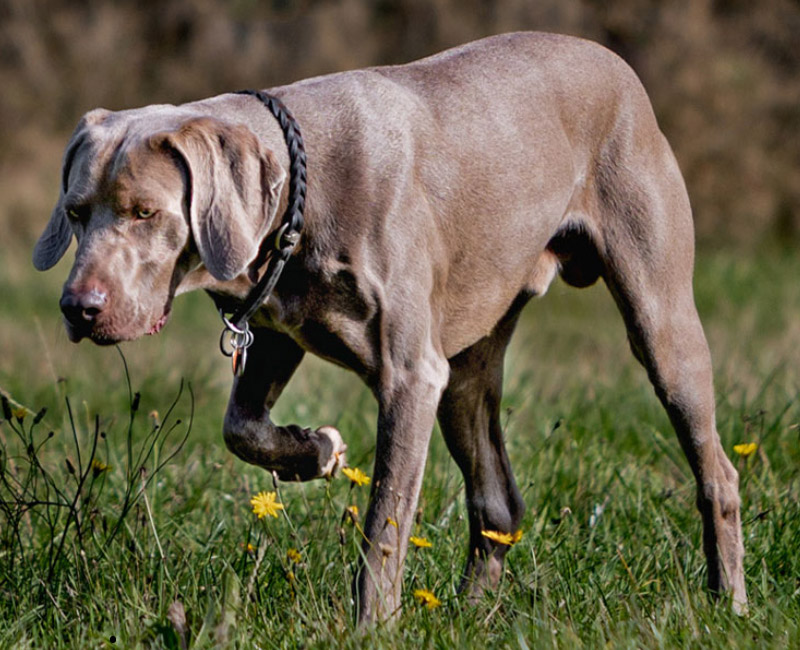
723,75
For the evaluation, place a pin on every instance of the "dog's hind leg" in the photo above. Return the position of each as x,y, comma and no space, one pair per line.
292,452
469,416
647,247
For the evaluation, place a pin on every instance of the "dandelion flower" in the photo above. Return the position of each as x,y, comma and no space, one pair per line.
351,513
356,475
427,598
264,504
294,555
508,539
745,449
98,467
420,542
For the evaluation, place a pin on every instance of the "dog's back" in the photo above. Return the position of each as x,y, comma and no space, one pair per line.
494,156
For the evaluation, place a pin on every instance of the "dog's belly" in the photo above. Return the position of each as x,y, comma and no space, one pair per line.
468,321
504,253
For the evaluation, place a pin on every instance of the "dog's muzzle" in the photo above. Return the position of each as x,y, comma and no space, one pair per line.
81,310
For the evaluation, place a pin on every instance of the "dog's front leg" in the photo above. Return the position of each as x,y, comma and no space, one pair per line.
405,422
294,453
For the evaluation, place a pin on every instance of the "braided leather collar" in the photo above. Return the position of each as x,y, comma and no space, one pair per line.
278,246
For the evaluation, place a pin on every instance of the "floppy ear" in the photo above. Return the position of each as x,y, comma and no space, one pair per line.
234,187
57,235
55,240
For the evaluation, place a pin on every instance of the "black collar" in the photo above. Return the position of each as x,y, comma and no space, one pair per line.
278,246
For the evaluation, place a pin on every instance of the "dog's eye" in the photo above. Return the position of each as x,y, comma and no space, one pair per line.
144,213
78,213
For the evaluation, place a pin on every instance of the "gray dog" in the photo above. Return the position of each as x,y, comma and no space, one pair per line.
442,196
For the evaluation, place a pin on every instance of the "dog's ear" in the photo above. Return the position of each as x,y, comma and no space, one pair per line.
57,235
54,241
234,185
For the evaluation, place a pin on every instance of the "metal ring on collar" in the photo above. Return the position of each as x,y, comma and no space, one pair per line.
230,326
237,340
292,237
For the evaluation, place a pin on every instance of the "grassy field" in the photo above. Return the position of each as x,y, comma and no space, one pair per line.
611,550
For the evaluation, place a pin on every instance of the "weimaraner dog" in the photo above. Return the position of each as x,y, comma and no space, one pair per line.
442,196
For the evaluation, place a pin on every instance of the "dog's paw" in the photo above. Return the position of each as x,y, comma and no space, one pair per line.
739,605
337,459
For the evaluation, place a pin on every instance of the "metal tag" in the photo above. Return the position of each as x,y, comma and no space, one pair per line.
238,361
233,343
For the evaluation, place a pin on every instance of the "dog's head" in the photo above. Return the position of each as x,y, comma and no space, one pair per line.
152,195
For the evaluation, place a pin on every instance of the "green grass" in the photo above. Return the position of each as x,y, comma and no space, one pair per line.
611,553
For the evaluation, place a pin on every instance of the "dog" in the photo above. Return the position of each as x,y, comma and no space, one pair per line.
442,196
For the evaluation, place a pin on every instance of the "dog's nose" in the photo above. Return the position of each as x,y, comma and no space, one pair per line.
82,308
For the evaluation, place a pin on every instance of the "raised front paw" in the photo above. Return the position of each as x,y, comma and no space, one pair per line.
293,453
337,458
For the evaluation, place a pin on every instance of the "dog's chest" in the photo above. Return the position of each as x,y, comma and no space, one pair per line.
327,312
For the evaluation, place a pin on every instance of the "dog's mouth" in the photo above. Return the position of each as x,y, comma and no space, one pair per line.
100,335
76,332
102,339
159,324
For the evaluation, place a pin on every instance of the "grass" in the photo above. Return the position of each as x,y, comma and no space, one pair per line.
611,550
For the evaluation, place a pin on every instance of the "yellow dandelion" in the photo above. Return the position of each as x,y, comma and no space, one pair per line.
356,475
420,542
745,449
391,522
20,413
517,536
427,598
249,547
264,504
497,536
98,467
293,555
